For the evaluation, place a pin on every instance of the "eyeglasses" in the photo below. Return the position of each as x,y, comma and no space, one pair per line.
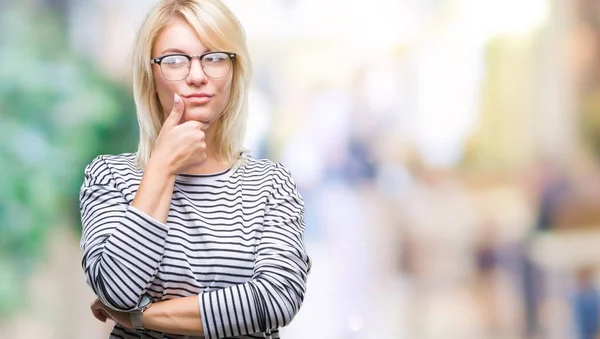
175,67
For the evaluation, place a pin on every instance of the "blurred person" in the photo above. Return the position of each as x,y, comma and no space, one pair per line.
496,279
318,152
586,304
441,223
191,236
552,188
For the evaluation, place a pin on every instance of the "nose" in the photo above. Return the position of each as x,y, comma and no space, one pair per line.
196,76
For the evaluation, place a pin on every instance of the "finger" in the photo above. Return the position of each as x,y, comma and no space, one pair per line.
174,117
106,315
203,126
100,315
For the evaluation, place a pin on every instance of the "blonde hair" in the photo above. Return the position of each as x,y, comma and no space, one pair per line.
218,29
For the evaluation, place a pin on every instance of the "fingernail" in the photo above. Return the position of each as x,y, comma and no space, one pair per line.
176,98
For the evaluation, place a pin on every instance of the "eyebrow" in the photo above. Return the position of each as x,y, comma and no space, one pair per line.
176,50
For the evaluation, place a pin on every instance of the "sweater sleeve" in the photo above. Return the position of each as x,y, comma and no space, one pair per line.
122,246
276,291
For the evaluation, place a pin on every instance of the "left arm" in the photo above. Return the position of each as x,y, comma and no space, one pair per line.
269,300
276,291
177,316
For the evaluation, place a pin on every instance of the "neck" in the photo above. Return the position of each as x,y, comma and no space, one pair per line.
209,166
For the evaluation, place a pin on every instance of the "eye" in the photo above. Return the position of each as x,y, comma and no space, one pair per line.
175,61
215,58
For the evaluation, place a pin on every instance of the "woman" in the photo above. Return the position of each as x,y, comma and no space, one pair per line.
190,236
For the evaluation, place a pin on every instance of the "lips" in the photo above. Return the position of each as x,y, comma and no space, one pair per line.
198,98
198,95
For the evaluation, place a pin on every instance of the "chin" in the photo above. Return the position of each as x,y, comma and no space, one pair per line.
202,114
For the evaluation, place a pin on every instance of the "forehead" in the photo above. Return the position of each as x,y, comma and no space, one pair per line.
178,35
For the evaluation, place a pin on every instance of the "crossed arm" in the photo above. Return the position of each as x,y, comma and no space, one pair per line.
176,316
123,246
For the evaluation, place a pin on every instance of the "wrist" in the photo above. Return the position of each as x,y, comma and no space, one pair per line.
156,165
147,318
137,317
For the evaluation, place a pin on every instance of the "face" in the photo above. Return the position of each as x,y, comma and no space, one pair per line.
205,98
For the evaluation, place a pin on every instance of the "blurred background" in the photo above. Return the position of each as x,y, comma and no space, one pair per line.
448,152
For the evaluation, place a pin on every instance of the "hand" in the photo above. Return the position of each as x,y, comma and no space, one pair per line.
98,311
101,312
180,146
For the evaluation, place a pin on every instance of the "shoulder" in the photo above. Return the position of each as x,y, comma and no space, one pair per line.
268,167
105,167
273,175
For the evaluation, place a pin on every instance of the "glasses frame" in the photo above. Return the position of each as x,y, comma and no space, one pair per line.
159,60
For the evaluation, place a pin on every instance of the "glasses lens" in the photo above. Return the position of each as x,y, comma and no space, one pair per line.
175,67
216,65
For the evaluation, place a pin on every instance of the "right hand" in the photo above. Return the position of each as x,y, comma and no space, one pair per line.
180,146
98,311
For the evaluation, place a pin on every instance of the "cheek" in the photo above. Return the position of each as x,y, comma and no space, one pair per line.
164,91
225,93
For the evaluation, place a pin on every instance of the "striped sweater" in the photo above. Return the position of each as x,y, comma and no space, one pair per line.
234,238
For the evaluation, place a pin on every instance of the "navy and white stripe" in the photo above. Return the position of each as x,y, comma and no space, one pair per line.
234,238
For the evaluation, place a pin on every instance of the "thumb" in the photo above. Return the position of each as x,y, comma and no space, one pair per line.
177,112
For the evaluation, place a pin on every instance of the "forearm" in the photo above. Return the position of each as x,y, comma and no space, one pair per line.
120,267
122,245
155,191
177,316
